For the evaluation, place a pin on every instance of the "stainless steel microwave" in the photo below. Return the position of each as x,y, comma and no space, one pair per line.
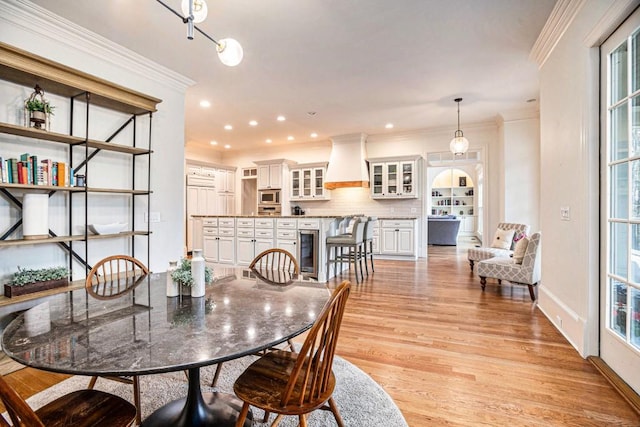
269,197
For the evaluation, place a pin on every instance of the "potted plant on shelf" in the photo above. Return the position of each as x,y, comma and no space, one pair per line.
26,281
183,277
38,108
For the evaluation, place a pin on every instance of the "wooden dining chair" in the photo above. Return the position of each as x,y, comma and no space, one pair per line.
112,277
78,409
288,383
276,266
276,259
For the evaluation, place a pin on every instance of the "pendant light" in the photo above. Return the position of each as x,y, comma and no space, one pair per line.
459,144
195,11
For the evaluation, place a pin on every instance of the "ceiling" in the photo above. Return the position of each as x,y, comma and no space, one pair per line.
356,65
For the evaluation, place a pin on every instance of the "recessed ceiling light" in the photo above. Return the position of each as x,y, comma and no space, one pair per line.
389,126
314,135
268,141
227,146
253,123
290,138
281,118
214,143
205,104
228,127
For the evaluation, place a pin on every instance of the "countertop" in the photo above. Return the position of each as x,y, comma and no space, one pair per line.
299,216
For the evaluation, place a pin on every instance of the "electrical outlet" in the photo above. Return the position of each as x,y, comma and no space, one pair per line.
152,217
559,321
565,213
414,210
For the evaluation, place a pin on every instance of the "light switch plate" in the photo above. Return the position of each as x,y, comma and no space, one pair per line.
565,213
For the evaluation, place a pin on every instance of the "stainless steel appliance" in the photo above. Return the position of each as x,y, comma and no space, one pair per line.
308,253
269,197
269,210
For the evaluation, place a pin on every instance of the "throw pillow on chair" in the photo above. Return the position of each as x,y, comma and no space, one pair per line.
503,239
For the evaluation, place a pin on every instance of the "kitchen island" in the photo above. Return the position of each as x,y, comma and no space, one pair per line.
237,239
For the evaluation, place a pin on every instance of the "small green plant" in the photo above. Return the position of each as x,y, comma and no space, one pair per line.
26,276
38,105
182,274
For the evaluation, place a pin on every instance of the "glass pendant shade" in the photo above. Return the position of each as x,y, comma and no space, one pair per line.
230,52
200,10
459,144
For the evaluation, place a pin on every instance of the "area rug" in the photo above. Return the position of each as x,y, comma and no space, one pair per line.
8,365
361,401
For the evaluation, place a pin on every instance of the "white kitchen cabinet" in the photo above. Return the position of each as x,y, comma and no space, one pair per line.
200,201
287,235
307,182
270,176
219,240
394,178
253,237
397,237
226,204
225,181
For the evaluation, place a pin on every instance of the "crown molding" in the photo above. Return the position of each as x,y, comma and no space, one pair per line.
34,19
559,20
613,17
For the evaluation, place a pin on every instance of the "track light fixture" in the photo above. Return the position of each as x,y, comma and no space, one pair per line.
195,11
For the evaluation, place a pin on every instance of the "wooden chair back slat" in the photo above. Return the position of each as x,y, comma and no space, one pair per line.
276,259
312,370
114,276
19,411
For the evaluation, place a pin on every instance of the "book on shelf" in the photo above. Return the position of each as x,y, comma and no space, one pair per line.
14,170
62,174
28,170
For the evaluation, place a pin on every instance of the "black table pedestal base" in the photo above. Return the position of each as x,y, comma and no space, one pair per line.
199,409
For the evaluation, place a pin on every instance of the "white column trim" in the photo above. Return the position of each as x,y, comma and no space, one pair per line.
35,19
559,20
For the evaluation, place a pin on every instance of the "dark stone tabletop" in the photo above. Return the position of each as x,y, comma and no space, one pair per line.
145,332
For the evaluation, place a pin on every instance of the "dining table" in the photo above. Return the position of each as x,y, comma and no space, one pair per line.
144,332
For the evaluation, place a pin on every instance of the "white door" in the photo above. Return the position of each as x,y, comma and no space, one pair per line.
226,250
405,241
245,250
620,209
210,248
389,241
275,176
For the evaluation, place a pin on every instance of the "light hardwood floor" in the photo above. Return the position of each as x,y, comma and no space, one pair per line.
450,354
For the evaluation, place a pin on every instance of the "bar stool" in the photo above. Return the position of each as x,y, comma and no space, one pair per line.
367,244
352,243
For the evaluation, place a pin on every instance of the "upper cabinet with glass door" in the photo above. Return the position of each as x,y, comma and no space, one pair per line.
307,182
394,177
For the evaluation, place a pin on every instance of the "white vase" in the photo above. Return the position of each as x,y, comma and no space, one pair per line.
197,272
173,288
35,216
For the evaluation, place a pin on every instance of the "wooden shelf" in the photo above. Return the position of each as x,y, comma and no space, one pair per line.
74,238
28,132
25,68
31,187
118,191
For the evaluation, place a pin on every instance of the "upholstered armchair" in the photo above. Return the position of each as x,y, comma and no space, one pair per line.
478,254
525,273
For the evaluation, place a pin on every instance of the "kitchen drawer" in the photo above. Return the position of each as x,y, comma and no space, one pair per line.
264,233
226,222
287,234
245,222
397,223
210,222
287,223
311,224
264,222
244,232
227,232
210,231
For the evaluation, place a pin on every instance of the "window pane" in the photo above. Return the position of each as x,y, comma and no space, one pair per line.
635,189
635,317
635,58
634,276
635,128
619,308
618,73
619,132
618,250
619,192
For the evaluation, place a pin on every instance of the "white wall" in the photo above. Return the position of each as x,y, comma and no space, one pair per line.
569,119
27,26
521,160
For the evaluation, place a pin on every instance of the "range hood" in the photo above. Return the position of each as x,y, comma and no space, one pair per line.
347,165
